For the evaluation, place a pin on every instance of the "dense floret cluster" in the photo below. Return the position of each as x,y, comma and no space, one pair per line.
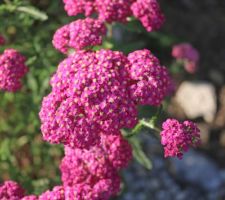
89,168
11,190
147,11
187,53
12,69
97,93
177,137
89,98
80,34
94,172
75,7
151,81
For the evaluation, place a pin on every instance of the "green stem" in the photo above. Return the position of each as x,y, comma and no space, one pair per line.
154,129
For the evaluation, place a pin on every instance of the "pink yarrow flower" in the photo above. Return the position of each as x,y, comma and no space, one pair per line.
89,97
75,7
177,137
114,10
151,81
187,53
12,69
147,11
90,168
80,34
11,190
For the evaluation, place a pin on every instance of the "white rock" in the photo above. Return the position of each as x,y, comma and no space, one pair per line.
197,99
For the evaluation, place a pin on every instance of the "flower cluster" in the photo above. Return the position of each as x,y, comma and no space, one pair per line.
151,80
75,7
187,53
79,34
11,190
177,137
97,93
12,69
96,168
147,11
2,40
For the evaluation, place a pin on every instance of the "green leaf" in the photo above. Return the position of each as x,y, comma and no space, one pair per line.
139,154
34,12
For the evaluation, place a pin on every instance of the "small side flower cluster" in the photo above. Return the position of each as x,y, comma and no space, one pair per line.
2,40
177,137
188,54
147,11
80,34
12,69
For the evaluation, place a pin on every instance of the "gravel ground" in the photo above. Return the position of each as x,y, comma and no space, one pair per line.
172,179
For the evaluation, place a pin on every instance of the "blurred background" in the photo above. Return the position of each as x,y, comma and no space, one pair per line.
25,158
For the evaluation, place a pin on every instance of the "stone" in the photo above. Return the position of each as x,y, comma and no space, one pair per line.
197,99
197,169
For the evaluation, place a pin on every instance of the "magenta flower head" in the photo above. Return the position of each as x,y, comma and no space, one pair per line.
177,137
100,191
151,82
89,168
2,40
187,53
75,7
149,13
89,97
114,10
11,190
80,34
12,69
56,194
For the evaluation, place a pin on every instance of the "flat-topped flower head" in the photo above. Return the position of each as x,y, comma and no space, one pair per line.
149,13
151,81
177,137
89,167
114,10
187,53
2,40
75,7
12,69
80,34
89,98
11,190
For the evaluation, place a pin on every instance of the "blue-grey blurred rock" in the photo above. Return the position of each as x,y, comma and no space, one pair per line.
195,168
